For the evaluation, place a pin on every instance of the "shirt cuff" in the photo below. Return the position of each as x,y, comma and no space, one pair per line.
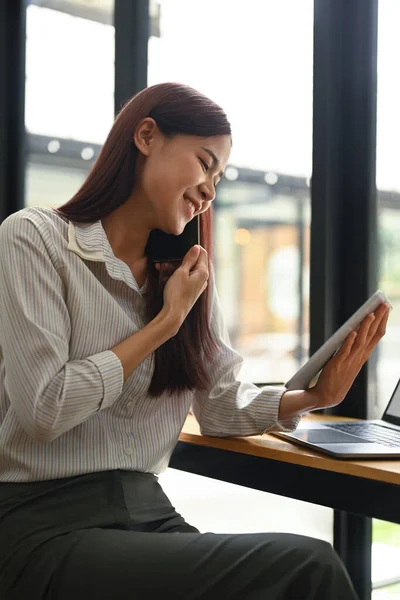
268,403
112,376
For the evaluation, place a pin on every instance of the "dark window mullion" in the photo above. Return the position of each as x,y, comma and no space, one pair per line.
344,209
343,191
132,29
12,106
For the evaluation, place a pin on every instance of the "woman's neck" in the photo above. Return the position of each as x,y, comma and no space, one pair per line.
126,233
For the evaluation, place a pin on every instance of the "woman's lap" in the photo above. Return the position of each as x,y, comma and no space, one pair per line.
116,535
103,564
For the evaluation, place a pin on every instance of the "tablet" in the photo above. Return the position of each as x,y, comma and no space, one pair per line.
305,376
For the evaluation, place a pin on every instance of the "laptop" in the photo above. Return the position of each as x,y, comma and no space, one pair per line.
354,439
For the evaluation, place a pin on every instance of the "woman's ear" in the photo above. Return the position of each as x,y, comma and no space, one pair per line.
145,135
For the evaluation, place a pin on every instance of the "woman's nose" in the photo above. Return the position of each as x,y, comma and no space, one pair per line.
207,192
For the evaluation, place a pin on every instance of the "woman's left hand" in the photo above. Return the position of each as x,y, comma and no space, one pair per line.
340,372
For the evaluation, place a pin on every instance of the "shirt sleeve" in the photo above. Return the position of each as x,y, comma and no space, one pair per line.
231,407
49,393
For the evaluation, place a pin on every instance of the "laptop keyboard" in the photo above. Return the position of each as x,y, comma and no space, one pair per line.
370,432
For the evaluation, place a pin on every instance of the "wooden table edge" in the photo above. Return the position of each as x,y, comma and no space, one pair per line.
270,447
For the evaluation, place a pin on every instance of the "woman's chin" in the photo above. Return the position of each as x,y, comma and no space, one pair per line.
174,227
177,228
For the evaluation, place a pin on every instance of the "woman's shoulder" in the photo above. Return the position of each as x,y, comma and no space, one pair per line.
44,221
41,217
35,225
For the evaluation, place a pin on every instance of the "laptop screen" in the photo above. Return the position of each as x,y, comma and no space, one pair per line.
392,413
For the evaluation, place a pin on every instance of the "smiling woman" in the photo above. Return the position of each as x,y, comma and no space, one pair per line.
82,434
159,167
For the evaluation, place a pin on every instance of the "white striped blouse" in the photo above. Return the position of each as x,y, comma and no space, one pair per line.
65,300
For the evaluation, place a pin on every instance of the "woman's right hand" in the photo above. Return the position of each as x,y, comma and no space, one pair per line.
186,284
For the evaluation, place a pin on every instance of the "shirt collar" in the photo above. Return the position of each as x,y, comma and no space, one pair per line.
87,241
90,242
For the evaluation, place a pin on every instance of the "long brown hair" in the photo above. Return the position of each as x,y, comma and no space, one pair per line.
181,362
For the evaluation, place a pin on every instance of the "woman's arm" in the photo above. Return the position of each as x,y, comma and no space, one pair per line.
132,351
50,393
180,294
231,407
341,370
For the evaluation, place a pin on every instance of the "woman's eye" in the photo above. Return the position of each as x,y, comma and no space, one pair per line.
204,164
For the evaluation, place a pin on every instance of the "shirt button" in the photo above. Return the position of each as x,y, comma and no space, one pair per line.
128,450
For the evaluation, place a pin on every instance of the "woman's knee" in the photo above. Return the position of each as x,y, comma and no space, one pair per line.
313,552
327,572
311,566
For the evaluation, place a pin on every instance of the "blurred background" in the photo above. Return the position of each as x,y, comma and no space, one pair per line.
258,65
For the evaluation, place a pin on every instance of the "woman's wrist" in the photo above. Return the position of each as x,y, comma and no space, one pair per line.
296,403
171,320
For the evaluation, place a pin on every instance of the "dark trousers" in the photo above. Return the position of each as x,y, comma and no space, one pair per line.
115,536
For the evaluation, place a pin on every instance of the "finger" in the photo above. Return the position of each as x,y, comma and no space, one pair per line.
383,324
190,258
347,346
201,267
202,259
380,331
363,334
204,287
380,314
383,310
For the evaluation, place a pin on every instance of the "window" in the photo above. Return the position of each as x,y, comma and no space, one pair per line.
69,94
386,536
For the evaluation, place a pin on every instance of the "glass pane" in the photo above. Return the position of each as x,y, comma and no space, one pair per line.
257,64
69,94
387,593
386,536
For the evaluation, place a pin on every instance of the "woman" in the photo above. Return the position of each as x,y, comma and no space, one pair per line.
94,385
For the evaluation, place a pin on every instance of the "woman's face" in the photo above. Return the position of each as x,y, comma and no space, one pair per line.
177,176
